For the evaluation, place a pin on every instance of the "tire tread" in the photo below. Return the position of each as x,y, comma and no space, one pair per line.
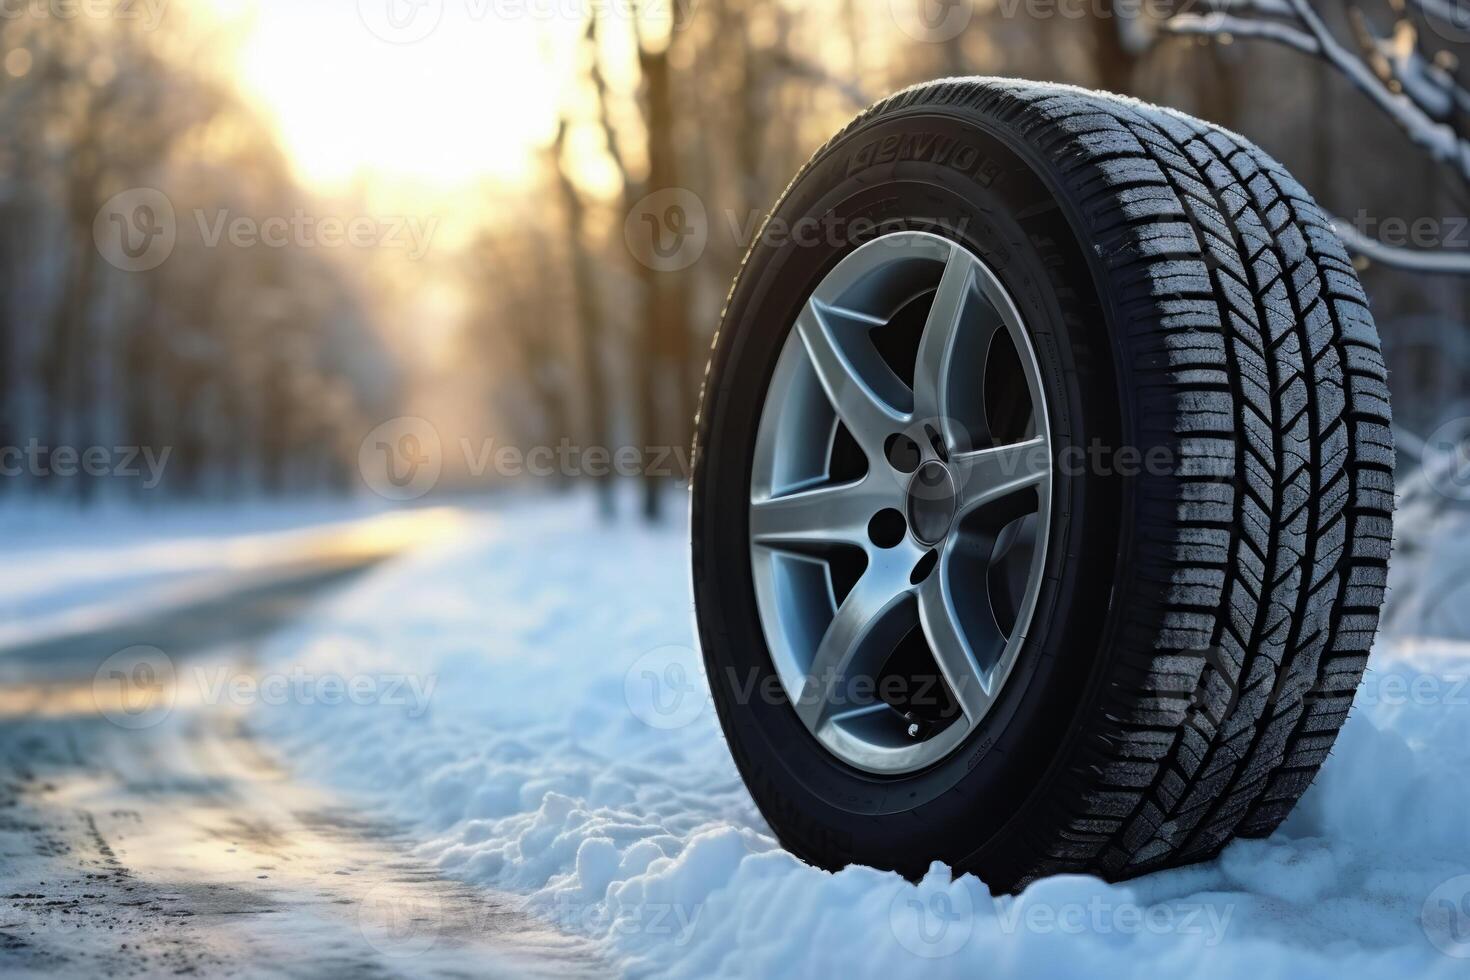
1261,561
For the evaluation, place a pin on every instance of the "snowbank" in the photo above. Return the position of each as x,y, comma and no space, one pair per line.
569,757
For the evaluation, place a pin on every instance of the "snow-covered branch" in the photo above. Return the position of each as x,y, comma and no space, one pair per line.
1216,24
1398,60
1421,97
1419,114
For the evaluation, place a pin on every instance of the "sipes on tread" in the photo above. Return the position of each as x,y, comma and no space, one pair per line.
1236,673
1246,599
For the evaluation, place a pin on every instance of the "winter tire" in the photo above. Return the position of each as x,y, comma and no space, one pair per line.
1042,492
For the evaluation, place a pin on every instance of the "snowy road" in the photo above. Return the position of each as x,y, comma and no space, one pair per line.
501,737
570,756
146,832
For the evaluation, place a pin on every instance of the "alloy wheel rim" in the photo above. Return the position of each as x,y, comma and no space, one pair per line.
900,502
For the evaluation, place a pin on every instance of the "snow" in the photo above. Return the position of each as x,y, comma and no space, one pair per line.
68,571
569,757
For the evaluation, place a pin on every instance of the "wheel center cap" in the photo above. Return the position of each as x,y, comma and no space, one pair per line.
931,502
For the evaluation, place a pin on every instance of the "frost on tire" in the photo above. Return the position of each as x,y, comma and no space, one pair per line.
1128,667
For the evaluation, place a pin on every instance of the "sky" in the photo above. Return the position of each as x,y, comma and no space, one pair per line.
440,94
439,110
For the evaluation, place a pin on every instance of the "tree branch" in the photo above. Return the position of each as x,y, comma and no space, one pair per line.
1440,140
1310,35
1420,97
1430,86
802,68
631,190
1211,25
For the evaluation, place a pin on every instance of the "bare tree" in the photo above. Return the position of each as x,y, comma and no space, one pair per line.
514,325
590,316
252,368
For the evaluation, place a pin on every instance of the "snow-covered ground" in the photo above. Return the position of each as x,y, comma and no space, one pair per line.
67,571
567,755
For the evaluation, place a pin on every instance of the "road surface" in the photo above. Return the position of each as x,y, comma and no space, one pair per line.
172,844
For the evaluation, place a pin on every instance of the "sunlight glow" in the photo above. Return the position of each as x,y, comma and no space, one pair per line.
472,101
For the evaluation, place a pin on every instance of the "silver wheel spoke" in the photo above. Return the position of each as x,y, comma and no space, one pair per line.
867,415
962,670
827,515
868,624
932,368
988,475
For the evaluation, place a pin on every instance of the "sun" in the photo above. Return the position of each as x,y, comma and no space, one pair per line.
432,93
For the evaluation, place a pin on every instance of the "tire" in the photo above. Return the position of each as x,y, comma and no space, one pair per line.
1193,626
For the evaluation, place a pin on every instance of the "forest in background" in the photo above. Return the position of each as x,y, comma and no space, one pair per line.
734,100
263,369
254,367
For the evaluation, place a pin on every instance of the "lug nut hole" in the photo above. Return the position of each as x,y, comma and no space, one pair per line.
902,452
924,568
887,528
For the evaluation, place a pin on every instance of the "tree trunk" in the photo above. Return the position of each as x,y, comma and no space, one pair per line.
666,354
589,317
